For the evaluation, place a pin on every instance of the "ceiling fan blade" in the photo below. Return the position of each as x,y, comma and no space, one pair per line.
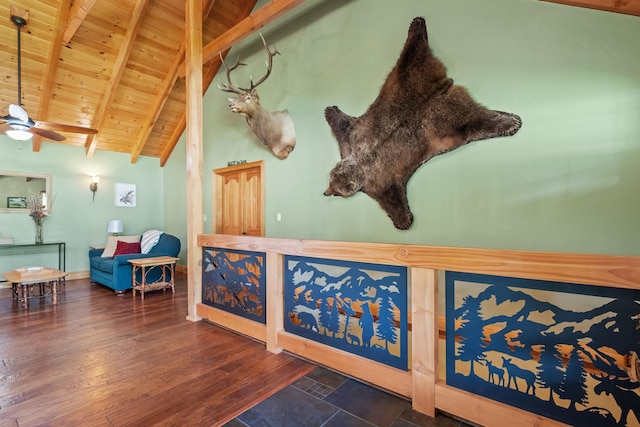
46,133
4,127
64,128
19,113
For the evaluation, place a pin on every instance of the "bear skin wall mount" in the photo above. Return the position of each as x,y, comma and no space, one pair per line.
418,114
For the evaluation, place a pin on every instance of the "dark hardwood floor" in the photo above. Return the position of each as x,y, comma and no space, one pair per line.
96,359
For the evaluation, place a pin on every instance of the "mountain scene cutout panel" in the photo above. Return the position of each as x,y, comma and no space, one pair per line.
564,351
356,307
234,281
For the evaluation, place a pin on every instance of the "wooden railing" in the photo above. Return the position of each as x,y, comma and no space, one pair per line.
421,383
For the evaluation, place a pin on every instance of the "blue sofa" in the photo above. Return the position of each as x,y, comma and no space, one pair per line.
115,272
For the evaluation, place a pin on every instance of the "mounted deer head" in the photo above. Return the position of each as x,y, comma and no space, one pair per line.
274,129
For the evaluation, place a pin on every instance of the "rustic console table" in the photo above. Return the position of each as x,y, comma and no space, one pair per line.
41,247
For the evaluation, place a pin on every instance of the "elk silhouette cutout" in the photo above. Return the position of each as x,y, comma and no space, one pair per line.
514,372
495,371
274,129
622,390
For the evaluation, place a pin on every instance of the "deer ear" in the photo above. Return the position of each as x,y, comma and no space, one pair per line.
254,94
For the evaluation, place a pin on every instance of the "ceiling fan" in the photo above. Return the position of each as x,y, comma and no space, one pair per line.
18,125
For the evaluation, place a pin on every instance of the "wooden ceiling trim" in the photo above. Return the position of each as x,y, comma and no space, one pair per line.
628,7
79,11
118,71
263,16
52,67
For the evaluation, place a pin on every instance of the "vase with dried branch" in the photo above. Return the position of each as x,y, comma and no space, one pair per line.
37,212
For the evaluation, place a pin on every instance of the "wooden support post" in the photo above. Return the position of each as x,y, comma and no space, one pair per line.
424,335
275,300
194,133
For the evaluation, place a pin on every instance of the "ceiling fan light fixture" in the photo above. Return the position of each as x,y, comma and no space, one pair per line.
19,134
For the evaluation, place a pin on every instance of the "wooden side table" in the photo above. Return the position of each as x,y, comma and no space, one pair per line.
34,283
166,263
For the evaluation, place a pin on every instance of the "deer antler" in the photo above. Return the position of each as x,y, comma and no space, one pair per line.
269,63
229,87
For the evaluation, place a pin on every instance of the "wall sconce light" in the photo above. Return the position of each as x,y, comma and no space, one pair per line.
115,226
94,185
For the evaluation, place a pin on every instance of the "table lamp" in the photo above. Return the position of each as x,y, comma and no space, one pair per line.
115,226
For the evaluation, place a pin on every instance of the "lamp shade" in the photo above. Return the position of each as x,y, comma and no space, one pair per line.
115,226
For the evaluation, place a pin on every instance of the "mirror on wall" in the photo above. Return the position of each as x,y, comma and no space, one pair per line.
14,186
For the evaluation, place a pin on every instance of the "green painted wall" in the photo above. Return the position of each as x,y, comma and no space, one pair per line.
75,219
566,182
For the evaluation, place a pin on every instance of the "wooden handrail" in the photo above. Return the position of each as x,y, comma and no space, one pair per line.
588,269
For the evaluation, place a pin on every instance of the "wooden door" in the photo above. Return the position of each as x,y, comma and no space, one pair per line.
238,202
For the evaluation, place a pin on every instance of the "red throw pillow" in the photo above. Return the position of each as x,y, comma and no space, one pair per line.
127,248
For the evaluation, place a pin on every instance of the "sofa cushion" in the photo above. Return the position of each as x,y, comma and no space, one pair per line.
149,240
127,248
102,264
112,242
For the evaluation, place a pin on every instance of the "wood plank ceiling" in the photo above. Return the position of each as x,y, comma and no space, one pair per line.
118,65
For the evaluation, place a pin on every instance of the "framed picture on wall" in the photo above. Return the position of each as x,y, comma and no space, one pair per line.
17,202
125,195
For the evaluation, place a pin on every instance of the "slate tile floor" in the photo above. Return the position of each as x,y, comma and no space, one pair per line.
324,398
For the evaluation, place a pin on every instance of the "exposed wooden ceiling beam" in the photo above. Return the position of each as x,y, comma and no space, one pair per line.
266,14
628,7
116,75
52,67
163,95
173,140
209,74
78,12
161,99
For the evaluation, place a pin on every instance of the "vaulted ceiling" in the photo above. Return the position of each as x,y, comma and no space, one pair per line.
117,66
